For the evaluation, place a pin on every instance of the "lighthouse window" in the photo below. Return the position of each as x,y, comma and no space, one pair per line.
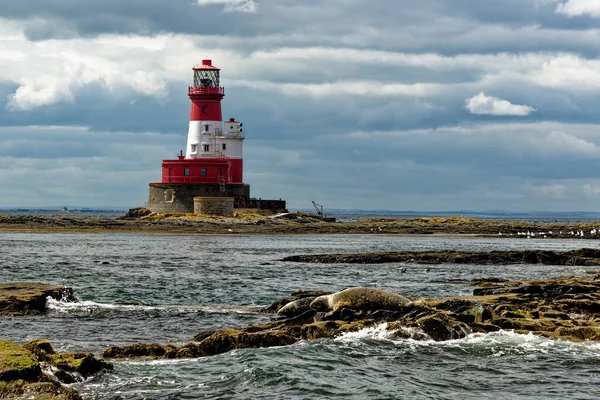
193,148
206,127
186,171
169,196
203,171
224,146
206,148
204,109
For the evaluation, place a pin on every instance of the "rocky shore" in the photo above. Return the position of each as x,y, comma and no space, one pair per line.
294,223
566,308
561,309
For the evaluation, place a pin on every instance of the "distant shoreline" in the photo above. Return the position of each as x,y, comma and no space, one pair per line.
299,223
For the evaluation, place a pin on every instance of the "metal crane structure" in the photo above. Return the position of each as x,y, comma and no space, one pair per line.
319,208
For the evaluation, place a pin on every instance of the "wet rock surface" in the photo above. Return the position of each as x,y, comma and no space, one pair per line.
35,370
565,308
548,257
29,298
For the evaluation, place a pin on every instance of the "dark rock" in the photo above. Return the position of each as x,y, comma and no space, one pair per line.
137,350
135,213
29,298
574,257
439,327
84,364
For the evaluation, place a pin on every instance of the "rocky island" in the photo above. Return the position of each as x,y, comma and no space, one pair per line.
142,220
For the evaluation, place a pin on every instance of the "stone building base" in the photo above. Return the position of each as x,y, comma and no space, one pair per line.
221,206
179,197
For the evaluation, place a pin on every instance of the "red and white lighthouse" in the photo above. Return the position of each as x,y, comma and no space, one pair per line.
212,166
207,136
213,163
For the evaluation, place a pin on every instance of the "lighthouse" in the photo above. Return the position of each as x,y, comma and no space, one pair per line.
209,176
207,136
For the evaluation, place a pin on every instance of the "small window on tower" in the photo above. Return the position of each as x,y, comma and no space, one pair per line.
169,196
203,171
186,171
206,148
224,146
206,127
194,148
204,110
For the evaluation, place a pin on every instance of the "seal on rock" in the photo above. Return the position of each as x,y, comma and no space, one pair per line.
296,307
360,299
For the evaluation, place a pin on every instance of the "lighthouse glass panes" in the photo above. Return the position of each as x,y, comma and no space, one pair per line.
206,78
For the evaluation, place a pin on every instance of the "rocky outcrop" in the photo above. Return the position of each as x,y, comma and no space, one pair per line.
35,370
548,257
135,213
565,308
29,298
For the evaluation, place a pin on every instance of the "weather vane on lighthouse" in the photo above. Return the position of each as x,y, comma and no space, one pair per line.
210,174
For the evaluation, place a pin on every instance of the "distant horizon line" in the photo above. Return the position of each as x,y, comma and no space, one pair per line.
329,211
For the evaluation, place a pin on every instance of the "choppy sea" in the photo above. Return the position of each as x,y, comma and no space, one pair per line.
168,288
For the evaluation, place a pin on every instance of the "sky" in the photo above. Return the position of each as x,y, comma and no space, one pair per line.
356,104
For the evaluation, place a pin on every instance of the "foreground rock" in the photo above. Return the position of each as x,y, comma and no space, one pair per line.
567,308
548,257
29,298
35,370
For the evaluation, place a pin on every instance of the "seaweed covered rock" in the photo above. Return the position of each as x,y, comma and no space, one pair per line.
18,363
72,365
562,308
35,370
29,298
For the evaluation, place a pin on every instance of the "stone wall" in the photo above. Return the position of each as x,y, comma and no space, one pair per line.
179,197
260,206
222,206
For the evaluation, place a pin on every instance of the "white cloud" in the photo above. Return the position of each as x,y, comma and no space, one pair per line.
574,8
483,104
569,72
571,144
344,88
248,6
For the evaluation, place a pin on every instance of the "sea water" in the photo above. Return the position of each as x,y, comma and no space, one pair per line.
168,288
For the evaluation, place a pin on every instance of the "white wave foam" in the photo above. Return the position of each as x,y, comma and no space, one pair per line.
495,344
92,306
381,332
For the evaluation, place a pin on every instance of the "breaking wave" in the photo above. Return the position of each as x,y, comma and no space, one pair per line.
92,307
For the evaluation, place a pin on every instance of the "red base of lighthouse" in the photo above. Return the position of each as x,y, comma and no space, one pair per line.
218,170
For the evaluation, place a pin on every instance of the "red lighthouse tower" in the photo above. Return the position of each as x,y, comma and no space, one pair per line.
213,163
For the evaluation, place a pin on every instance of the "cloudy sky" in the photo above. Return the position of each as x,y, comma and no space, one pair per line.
357,104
